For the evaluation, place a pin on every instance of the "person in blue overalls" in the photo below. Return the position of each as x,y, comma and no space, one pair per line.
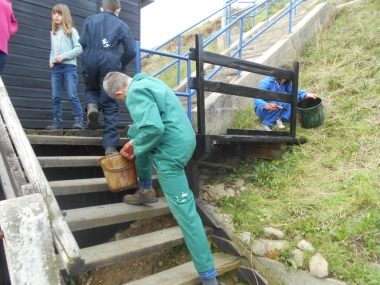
272,112
162,135
101,36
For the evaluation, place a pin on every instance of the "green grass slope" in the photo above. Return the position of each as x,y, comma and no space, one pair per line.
328,190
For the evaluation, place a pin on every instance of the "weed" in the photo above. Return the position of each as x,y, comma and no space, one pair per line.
70,281
285,255
238,172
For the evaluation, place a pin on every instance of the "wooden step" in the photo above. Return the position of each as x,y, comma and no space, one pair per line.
68,161
69,140
98,216
78,186
186,274
81,186
132,247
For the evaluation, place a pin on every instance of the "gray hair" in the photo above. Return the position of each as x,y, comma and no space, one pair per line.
114,81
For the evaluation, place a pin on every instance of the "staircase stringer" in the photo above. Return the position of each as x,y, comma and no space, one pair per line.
252,270
35,181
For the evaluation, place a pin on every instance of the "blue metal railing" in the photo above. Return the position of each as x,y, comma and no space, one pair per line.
258,6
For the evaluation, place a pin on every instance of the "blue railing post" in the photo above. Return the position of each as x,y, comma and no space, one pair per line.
228,21
241,41
254,18
179,62
137,58
290,16
268,4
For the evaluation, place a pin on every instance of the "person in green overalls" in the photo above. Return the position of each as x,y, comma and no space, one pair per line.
162,135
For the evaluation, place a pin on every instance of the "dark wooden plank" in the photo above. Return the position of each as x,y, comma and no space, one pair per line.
267,145
192,175
256,133
251,276
97,216
226,245
210,219
186,274
236,138
264,153
244,91
214,165
241,64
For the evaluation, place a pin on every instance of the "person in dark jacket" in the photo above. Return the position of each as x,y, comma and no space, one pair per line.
101,36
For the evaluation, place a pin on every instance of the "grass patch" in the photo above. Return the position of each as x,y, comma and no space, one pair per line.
328,189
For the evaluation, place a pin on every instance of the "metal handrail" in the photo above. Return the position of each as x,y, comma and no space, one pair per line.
251,11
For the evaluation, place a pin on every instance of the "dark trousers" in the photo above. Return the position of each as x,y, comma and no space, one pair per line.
3,58
96,66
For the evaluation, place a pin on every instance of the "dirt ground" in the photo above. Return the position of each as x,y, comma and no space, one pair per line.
129,270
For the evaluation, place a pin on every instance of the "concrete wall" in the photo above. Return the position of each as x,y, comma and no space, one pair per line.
221,109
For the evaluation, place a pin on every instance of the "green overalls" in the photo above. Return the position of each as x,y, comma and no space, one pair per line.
162,135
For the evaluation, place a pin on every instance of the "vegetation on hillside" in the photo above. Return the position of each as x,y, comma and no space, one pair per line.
154,63
328,190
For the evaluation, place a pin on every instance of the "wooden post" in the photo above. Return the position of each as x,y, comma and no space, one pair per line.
12,170
28,241
63,238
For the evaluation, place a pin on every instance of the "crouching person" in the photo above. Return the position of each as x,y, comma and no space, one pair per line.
162,135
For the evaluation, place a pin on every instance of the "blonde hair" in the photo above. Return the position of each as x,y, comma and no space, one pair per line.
66,19
114,81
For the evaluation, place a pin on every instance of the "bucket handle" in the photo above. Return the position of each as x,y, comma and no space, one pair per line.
119,169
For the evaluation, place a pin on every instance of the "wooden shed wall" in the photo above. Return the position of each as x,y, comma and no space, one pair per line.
27,73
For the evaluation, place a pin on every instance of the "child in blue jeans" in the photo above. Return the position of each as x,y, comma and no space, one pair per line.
64,50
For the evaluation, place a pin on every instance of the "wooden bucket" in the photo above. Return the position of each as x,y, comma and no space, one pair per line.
119,172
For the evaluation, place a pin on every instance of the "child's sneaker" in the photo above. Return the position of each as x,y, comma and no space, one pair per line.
56,125
78,123
280,124
265,128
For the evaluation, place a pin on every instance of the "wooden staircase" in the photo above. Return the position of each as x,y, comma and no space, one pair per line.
90,217
63,168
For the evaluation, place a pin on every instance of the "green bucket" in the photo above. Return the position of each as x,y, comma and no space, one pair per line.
310,112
